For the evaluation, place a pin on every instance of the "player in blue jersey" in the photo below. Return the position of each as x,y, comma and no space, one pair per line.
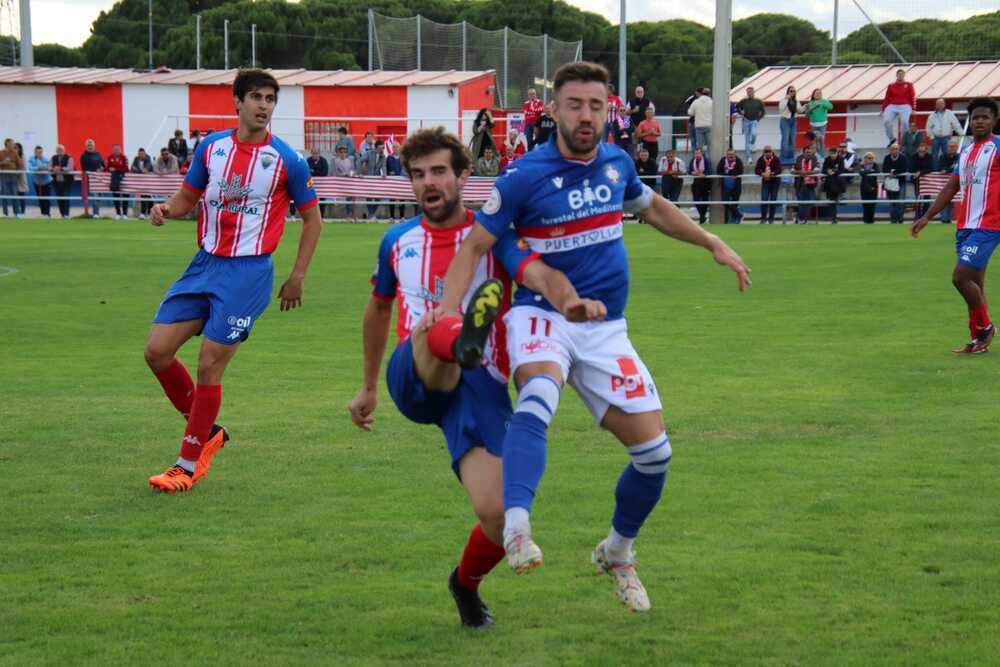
566,199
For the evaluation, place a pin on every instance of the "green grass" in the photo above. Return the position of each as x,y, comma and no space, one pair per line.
832,499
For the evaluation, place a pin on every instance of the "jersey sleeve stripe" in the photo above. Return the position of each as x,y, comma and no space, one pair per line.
583,225
524,265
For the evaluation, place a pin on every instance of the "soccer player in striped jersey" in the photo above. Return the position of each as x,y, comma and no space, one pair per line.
244,180
977,175
470,403
566,199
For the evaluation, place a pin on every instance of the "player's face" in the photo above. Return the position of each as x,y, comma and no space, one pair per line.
256,107
580,111
436,186
981,122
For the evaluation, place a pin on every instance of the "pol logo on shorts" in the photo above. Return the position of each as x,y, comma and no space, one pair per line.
492,204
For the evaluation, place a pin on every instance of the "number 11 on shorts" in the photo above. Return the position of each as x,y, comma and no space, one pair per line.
534,326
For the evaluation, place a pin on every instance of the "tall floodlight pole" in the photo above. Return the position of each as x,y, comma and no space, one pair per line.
150,4
836,16
225,42
545,69
464,46
420,46
197,41
722,67
253,45
622,62
504,101
27,50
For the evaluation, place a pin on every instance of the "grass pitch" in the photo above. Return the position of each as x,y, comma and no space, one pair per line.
832,499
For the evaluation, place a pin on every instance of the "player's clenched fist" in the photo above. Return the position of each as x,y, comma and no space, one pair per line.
159,214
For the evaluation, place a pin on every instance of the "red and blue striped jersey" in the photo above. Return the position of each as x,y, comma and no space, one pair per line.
978,174
247,189
570,211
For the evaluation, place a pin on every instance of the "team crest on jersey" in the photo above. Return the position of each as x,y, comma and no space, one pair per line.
612,174
234,190
435,296
492,204
266,160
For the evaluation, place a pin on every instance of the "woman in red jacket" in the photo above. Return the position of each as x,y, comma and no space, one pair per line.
118,166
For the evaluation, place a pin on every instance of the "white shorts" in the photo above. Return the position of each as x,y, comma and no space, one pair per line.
597,358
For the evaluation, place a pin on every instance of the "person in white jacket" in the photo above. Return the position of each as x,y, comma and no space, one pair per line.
701,109
941,126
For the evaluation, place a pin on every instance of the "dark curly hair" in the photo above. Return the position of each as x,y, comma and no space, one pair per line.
424,142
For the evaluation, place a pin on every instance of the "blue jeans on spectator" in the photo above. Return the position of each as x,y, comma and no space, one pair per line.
749,138
733,214
769,192
806,197
939,148
8,190
820,132
787,139
895,210
702,137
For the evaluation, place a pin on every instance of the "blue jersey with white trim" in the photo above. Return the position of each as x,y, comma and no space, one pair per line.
570,212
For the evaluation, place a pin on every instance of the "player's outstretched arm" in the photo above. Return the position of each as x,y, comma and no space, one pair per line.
462,268
553,284
177,206
947,193
670,220
291,291
375,334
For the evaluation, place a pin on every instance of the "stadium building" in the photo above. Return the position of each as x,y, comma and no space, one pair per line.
50,105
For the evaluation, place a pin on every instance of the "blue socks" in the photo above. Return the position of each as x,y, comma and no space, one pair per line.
640,485
525,445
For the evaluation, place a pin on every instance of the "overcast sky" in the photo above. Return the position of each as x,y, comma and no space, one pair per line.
68,21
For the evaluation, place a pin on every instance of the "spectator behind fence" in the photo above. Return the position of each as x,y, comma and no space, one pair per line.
343,166
142,164
683,110
62,177
701,110
920,165
373,164
482,133
645,166
118,166
788,108
91,160
345,141
868,171
947,166
899,102
730,167
768,167
637,108
367,145
166,163
22,179
648,134
41,176
671,170
623,139
514,144
941,126
752,110
816,110
806,169
394,167
178,146
8,179
318,166
193,141
616,114
488,164
895,167
532,110
546,125
913,139
834,184
701,186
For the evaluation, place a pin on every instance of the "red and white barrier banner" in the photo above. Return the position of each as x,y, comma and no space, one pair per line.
327,187
932,184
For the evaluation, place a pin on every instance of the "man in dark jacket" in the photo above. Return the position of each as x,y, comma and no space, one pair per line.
895,167
921,164
806,170
834,185
752,110
546,125
318,166
768,167
730,168
178,146
91,160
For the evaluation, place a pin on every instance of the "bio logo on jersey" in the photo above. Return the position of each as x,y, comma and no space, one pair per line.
630,380
587,195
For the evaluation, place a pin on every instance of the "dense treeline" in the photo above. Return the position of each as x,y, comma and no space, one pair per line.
669,57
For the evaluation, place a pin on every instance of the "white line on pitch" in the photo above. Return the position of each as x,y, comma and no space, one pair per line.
7,271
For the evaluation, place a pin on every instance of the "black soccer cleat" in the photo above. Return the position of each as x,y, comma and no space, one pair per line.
484,306
471,608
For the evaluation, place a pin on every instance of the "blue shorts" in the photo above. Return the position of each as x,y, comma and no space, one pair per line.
974,246
229,293
475,414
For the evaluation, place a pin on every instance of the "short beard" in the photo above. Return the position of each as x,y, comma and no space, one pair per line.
446,210
578,147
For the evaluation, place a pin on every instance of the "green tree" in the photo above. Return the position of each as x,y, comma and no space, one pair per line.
769,39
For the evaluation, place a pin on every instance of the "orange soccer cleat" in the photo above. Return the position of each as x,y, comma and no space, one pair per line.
174,479
216,441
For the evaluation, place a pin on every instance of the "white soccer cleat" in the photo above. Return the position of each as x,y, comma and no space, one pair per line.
628,588
522,553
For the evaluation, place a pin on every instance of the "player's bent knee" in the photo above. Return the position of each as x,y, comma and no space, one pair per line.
539,396
157,356
652,457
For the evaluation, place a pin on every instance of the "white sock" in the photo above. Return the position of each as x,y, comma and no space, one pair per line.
515,520
187,465
618,548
